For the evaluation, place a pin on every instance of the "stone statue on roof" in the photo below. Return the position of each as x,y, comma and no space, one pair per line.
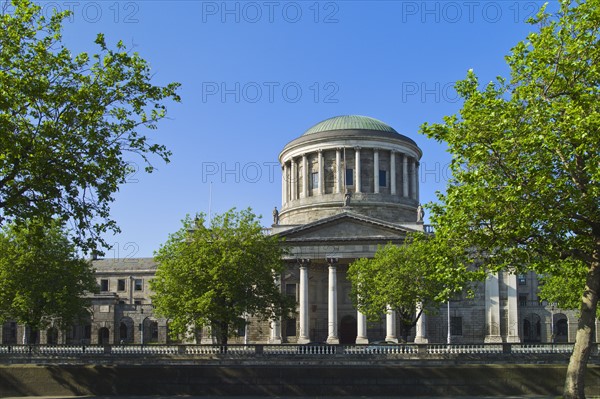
420,214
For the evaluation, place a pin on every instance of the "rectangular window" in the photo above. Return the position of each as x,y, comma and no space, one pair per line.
241,330
121,284
456,325
138,284
349,177
290,290
382,178
104,285
314,181
290,327
522,300
137,302
87,331
522,279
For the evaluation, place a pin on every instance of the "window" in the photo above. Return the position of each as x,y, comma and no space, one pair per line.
241,328
314,181
382,178
522,300
154,331
104,285
349,176
137,302
9,333
456,325
138,284
121,284
87,331
290,327
522,279
290,290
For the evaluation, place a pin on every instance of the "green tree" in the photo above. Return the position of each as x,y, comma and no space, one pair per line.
402,277
526,167
67,121
42,281
214,275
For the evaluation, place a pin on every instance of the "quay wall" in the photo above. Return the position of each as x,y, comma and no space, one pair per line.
440,378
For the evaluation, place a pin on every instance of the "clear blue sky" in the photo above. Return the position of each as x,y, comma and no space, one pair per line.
256,75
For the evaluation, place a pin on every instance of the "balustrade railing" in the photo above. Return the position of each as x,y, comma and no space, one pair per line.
283,350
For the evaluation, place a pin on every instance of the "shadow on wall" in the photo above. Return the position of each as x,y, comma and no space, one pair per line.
289,380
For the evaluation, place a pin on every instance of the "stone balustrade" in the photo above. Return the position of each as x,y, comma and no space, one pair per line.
10,353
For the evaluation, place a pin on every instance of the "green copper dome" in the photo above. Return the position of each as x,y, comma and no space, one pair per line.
350,122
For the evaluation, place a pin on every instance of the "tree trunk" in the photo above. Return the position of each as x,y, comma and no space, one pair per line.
575,379
223,336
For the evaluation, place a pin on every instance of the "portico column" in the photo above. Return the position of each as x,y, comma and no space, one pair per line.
321,174
304,176
376,171
421,327
404,175
332,333
276,322
393,172
492,309
390,325
361,328
513,318
338,170
357,168
303,338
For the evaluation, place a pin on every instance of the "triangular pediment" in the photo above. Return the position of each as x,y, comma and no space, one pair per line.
346,226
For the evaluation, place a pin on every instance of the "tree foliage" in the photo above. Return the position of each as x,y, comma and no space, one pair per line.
526,167
402,277
42,281
68,121
214,274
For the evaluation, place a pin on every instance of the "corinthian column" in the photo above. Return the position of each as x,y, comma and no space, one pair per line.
421,327
392,172
415,180
492,309
332,333
293,179
321,173
284,186
338,170
390,325
303,337
404,175
304,176
357,168
361,328
376,171
513,319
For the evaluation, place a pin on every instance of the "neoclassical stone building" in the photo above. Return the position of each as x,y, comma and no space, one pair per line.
349,184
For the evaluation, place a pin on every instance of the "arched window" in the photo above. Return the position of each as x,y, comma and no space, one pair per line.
103,336
126,330
150,331
532,328
561,328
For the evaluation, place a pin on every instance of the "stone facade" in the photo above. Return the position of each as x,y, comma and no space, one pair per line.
349,185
